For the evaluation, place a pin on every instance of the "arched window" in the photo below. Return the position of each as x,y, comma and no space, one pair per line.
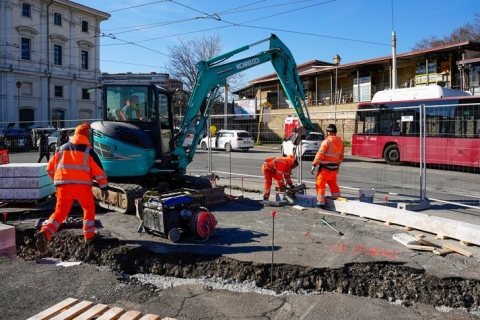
26,117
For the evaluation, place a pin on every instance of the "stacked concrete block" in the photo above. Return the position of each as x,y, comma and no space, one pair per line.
7,241
25,181
305,200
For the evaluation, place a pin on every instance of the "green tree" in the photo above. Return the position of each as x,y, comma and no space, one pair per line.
469,31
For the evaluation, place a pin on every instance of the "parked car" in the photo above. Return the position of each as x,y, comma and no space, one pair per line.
15,139
54,136
188,138
36,132
229,140
309,148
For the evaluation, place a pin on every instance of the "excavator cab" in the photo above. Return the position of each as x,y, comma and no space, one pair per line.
134,138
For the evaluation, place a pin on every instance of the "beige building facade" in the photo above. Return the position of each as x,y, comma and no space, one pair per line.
333,91
49,58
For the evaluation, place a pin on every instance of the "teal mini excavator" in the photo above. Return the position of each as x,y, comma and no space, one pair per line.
137,142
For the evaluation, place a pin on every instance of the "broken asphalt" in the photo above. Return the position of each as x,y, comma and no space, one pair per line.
250,233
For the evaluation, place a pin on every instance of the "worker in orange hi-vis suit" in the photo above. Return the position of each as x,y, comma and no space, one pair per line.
329,157
73,169
279,169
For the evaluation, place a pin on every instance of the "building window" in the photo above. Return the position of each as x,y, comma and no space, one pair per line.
57,55
26,10
57,19
85,114
85,94
84,26
84,56
26,48
25,116
59,91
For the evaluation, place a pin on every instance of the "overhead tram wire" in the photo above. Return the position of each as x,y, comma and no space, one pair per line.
270,6
138,5
231,24
231,11
215,16
96,33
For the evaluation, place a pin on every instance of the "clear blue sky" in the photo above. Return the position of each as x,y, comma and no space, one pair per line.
312,29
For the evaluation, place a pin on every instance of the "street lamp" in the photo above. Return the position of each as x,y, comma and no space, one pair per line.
19,85
225,107
336,62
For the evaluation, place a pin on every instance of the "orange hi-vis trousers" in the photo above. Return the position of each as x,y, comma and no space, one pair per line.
269,175
326,177
66,195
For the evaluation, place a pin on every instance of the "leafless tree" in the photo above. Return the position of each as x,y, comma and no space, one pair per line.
185,56
470,31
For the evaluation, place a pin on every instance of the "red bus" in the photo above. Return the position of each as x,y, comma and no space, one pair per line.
389,126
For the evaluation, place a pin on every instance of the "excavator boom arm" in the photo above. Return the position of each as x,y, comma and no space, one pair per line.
213,75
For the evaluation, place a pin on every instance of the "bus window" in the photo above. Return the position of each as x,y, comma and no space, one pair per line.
467,121
366,123
395,128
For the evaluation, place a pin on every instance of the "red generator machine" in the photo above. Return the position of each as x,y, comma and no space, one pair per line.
171,214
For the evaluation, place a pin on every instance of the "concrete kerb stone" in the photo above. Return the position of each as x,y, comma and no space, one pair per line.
462,231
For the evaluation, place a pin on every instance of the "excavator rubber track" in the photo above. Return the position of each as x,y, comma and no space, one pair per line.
121,197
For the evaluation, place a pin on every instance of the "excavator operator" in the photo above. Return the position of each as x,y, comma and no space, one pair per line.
131,110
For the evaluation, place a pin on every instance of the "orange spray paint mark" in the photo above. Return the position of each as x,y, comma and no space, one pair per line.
390,254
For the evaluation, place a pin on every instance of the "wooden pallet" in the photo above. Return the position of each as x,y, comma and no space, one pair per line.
72,308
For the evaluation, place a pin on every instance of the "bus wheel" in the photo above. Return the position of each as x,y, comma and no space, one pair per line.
392,154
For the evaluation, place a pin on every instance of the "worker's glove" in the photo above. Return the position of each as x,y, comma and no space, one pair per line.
312,171
283,189
105,193
291,187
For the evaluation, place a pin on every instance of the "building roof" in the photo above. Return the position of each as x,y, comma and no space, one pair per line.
318,66
71,4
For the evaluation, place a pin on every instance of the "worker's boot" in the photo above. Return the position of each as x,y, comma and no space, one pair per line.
42,242
90,240
265,198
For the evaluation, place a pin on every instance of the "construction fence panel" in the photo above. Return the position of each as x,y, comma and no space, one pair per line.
433,151
449,137
23,136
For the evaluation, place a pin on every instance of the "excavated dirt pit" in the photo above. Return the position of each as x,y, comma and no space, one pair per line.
389,281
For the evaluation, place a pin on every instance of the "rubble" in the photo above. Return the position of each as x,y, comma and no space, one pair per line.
381,280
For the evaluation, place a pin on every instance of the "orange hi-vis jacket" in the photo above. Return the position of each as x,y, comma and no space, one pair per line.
281,168
330,153
77,163
73,169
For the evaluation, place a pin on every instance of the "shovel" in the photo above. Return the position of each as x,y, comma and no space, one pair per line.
328,224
